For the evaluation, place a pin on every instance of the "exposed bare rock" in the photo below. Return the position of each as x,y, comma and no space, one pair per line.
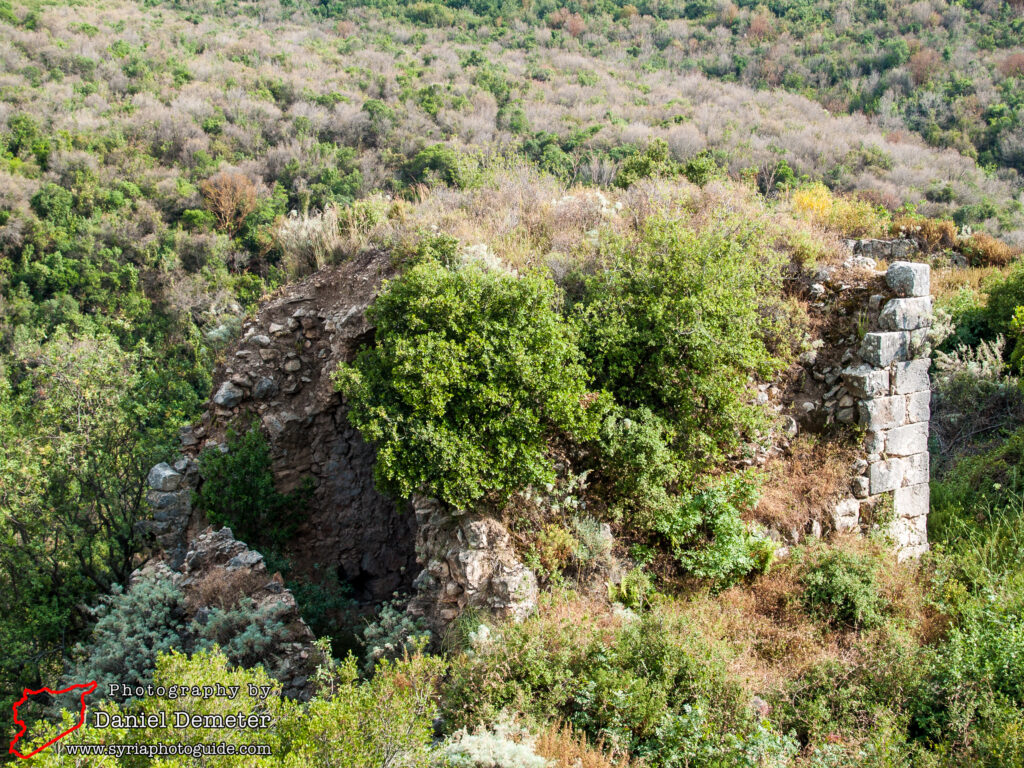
468,561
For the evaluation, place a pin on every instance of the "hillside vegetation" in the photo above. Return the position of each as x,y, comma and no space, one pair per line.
603,219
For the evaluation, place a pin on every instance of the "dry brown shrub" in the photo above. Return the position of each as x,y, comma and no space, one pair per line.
923,65
568,749
930,234
231,197
802,486
1012,65
223,589
984,250
950,281
763,623
761,26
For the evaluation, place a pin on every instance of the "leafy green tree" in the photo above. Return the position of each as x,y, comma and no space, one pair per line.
472,372
76,439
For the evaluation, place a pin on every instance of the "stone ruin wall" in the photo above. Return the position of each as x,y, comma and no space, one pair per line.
880,384
279,373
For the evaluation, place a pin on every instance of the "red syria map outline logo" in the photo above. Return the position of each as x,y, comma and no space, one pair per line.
87,689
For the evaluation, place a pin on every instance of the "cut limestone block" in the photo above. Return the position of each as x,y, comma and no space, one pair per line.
867,382
910,535
874,442
846,515
881,349
883,412
908,278
906,314
915,469
884,476
908,440
911,376
919,407
912,501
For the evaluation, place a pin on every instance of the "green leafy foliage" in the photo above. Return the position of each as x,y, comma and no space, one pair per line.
840,588
238,491
470,374
652,161
675,323
707,535
650,686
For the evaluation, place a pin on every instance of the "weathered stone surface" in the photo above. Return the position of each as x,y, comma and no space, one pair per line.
906,314
910,535
866,382
916,469
351,529
911,376
919,406
883,412
470,562
846,515
912,501
861,487
885,476
908,278
908,440
881,349
217,555
229,395
265,388
874,442
163,478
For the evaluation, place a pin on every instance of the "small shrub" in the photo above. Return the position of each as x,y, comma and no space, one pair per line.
502,745
708,537
393,634
983,250
451,167
238,491
704,166
650,162
634,588
230,197
814,201
247,633
555,547
931,234
840,588
133,628
594,543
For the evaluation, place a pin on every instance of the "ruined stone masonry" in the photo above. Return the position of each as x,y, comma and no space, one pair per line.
893,394
468,561
192,557
278,374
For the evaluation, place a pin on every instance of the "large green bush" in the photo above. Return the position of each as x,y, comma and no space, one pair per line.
677,322
472,372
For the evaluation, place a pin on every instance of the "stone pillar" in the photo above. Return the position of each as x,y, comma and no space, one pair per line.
894,397
170,500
